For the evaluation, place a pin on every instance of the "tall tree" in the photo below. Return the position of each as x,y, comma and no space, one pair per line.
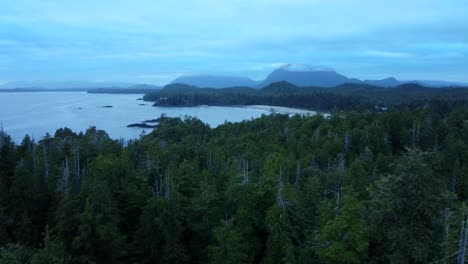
407,209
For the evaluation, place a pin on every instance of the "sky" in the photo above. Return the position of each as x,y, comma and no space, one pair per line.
148,41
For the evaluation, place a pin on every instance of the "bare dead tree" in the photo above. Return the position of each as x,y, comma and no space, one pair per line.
462,242
76,166
341,167
279,196
447,216
245,172
155,188
347,142
298,174
148,164
415,134
454,181
34,159
418,130
260,177
168,189
317,134
46,166
158,170
66,176
2,135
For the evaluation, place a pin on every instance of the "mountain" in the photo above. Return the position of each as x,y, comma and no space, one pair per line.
392,82
179,88
434,83
388,82
303,75
280,87
135,89
213,81
64,85
144,87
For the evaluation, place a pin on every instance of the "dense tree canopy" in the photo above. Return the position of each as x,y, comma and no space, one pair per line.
357,187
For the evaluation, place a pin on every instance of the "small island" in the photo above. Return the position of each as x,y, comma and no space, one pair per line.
156,120
142,125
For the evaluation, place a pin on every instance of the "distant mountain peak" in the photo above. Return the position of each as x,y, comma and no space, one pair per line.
304,75
281,86
213,81
298,67
300,75
387,82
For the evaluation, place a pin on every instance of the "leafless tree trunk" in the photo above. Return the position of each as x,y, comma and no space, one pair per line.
155,188
168,189
454,181
148,164
347,142
298,174
76,166
260,177
66,176
46,166
245,172
34,159
279,196
447,216
462,242
415,134
2,134
160,184
341,168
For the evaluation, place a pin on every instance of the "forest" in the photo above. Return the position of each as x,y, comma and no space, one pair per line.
346,97
355,187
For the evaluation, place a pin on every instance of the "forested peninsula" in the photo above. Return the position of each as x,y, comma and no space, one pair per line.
345,97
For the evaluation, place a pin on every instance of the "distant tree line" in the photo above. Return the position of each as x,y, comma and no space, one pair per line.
344,97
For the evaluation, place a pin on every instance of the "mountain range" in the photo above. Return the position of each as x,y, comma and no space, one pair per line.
297,74
301,75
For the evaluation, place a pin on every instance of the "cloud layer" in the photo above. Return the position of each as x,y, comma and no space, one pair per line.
153,41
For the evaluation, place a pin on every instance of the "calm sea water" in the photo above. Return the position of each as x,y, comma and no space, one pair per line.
36,113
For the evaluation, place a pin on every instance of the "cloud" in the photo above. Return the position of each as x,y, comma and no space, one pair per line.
387,54
66,38
445,55
265,66
163,75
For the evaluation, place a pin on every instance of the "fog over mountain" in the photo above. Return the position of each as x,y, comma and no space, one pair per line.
296,74
301,75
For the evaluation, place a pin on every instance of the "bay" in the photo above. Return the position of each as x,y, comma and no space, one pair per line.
38,113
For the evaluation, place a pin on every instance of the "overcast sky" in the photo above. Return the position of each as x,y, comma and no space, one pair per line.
156,41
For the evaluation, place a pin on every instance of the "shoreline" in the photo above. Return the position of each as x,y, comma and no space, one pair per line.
280,109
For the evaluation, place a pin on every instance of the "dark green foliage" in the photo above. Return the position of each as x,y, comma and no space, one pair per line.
354,187
410,204
342,97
